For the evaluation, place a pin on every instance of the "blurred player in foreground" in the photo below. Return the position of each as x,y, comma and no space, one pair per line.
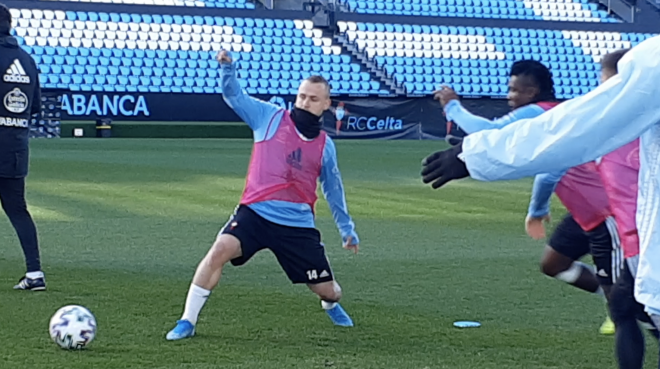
291,152
583,129
620,172
588,228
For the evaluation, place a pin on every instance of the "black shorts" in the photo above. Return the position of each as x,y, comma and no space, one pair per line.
298,250
602,242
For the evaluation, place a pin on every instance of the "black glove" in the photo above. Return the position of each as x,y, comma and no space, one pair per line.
453,140
444,166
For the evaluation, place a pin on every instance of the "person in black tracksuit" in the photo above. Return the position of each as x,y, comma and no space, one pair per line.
21,98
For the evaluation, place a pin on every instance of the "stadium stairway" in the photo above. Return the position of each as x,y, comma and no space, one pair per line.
376,72
387,85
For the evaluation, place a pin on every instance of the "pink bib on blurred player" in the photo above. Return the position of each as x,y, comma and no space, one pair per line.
620,173
285,167
547,105
582,192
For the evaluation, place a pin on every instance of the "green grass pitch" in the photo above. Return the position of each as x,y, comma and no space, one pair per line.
123,223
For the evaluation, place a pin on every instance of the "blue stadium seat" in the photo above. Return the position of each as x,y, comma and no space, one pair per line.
279,46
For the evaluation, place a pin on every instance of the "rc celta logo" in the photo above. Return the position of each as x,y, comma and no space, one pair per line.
360,123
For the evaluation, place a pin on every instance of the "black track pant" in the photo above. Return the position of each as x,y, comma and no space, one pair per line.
12,196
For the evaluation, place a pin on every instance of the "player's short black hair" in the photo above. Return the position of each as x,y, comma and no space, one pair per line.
539,73
5,17
319,79
611,60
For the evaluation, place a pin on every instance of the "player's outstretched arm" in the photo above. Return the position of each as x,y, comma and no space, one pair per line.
256,113
539,204
576,131
542,190
470,123
333,190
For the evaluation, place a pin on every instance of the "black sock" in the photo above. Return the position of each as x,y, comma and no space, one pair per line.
624,311
629,344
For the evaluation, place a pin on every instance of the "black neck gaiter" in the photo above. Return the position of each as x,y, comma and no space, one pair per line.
307,123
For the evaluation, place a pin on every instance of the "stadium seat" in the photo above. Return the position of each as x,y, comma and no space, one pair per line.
479,64
562,11
140,46
174,53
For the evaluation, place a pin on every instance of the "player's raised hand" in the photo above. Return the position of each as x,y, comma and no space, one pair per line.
350,245
535,227
223,57
445,94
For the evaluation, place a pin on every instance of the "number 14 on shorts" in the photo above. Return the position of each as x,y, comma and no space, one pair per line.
313,274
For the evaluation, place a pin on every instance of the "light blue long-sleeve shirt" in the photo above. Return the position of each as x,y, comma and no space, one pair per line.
471,123
258,114
542,190
544,184
617,112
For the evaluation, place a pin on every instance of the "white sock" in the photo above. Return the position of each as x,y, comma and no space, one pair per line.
34,275
195,301
328,305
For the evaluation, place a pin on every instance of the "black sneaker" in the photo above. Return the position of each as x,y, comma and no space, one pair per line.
25,283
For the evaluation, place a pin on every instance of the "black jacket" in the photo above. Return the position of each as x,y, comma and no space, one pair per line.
21,98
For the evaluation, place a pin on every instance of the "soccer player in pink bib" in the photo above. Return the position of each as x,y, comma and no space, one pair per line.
615,114
276,212
589,228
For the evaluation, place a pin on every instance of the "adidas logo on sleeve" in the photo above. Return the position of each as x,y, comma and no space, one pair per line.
16,73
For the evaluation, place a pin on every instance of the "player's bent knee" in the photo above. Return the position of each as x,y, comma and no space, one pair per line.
570,275
553,264
548,269
225,248
567,274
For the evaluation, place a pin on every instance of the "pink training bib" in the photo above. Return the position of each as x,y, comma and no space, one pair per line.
620,173
285,167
